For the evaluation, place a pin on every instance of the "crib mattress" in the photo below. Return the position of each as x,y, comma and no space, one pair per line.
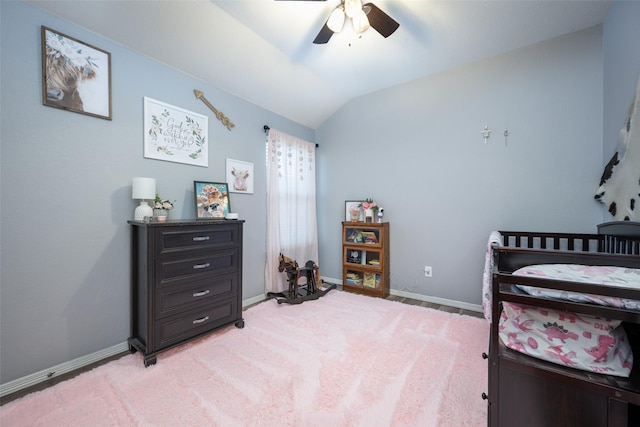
602,275
580,341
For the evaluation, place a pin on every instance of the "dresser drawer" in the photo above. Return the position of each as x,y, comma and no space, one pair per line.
181,238
187,325
186,296
196,266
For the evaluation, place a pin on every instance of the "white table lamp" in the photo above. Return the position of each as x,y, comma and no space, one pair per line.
143,189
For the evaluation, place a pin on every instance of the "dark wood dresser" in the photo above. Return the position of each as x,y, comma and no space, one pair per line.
186,281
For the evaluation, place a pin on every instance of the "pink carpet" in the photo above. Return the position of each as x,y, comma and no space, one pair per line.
342,360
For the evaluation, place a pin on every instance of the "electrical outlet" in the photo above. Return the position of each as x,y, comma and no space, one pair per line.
428,272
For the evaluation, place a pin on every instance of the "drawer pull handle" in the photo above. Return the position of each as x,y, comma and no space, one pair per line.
484,396
200,238
199,266
201,294
200,320
485,356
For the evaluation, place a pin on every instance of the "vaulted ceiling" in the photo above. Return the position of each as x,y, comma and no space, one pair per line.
262,50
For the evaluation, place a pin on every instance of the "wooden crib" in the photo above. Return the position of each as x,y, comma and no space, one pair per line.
527,391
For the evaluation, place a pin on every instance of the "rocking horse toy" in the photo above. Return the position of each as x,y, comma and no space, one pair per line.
299,293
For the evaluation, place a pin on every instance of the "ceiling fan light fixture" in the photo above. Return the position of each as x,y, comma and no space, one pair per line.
360,22
336,20
363,17
352,7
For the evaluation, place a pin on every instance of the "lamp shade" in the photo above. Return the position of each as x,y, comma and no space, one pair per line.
360,22
352,7
143,188
336,20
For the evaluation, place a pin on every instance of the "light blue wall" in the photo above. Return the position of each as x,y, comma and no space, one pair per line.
417,149
621,68
66,194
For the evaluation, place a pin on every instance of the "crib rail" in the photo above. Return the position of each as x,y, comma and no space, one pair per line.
621,237
557,241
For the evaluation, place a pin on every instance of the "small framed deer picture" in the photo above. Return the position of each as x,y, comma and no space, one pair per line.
75,75
240,176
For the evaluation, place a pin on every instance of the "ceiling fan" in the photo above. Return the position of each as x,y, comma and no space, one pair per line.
362,17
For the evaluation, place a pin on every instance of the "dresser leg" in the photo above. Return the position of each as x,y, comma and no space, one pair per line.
149,360
240,324
133,345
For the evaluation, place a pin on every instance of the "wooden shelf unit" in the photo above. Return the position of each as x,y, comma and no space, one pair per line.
365,258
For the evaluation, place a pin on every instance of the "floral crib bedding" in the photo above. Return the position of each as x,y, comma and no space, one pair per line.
602,275
581,341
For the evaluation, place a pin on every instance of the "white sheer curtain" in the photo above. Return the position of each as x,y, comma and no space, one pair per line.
291,204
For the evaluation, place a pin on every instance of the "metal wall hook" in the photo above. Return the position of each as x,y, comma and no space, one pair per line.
486,132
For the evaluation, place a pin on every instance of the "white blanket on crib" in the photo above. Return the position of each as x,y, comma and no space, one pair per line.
494,237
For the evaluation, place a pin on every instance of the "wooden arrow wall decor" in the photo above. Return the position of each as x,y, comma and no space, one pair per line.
219,115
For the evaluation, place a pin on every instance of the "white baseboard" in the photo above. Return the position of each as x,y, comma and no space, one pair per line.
253,300
80,362
436,300
63,368
420,297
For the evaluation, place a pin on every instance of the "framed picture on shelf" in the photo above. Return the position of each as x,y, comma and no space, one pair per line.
75,75
352,210
211,199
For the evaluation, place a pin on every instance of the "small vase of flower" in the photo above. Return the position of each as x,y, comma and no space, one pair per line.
161,208
370,208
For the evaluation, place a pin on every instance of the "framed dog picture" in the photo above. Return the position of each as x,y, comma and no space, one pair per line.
211,199
75,75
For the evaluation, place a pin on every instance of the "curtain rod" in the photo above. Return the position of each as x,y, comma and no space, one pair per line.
267,128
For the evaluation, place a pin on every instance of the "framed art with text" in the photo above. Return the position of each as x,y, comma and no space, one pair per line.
175,134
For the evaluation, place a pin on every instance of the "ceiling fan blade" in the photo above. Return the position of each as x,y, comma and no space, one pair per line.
324,35
380,21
